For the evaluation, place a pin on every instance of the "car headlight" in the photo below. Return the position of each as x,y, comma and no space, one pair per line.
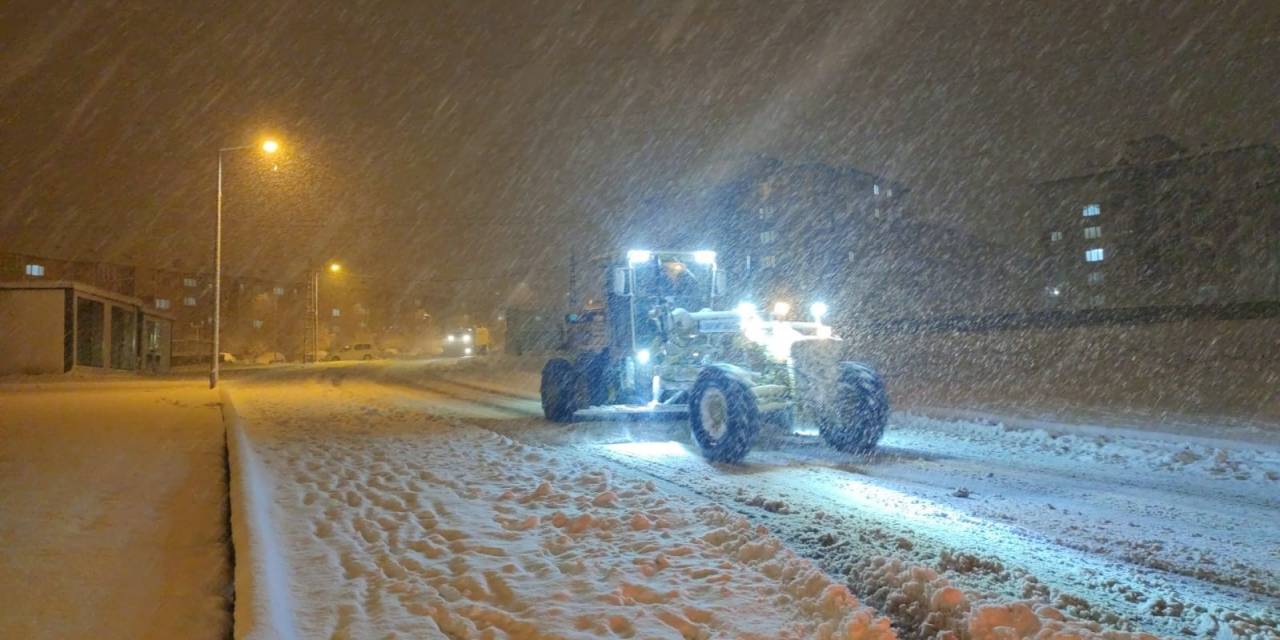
466,338
468,351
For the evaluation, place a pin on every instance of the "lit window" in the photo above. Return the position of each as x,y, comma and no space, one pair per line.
189,282
279,291
1098,300
35,270
1094,255
768,236
875,189
190,301
1093,232
1055,236
769,261
337,312
1091,210
1096,278
162,303
257,324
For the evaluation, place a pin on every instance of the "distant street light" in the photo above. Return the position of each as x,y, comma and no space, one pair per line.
269,147
333,267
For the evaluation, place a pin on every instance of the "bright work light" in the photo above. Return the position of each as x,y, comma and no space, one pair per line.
818,309
638,256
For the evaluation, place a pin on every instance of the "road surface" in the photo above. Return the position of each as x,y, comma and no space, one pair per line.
1138,531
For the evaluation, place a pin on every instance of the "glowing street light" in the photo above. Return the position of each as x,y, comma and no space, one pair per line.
333,267
268,147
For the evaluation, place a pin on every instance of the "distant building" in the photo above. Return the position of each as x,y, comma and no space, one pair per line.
259,315
791,229
844,236
1164,226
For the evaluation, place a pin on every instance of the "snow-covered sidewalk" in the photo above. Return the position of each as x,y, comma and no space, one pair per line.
395,525
112,511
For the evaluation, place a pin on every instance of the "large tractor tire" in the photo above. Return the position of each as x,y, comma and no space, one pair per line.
594,378
561,390
723,415
854,420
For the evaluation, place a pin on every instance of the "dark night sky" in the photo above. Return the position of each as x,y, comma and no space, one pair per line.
417,129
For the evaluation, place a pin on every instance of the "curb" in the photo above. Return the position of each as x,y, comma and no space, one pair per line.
262,608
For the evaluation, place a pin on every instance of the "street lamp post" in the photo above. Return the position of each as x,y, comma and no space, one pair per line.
268,147
333,267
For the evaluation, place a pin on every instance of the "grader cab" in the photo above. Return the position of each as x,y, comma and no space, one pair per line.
666,345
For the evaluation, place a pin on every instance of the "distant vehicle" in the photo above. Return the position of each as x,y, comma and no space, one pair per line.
361,351
460,342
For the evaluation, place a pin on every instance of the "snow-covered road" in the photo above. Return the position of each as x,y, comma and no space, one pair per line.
1133,530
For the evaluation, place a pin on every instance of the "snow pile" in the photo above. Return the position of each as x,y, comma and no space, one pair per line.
926,605
393,527
1241,461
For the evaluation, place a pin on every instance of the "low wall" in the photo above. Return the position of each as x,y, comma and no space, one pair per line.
1195,367
32,331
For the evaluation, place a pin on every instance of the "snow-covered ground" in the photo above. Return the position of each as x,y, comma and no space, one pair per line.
112,510
410,499
394,524
1136,530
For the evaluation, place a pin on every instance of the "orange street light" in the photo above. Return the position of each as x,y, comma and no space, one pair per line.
269,147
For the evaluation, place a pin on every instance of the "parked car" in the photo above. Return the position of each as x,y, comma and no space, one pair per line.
270,357
361,351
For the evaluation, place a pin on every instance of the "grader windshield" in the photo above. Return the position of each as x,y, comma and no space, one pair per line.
677,279
657,283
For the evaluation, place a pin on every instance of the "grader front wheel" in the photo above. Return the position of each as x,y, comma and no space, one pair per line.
854,419
723,415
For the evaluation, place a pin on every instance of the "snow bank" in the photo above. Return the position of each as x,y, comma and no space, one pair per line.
1149,451
396,528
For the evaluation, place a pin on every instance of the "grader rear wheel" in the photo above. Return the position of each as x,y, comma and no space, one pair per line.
560,390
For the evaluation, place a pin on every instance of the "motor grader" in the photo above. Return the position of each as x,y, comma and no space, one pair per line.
664,344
